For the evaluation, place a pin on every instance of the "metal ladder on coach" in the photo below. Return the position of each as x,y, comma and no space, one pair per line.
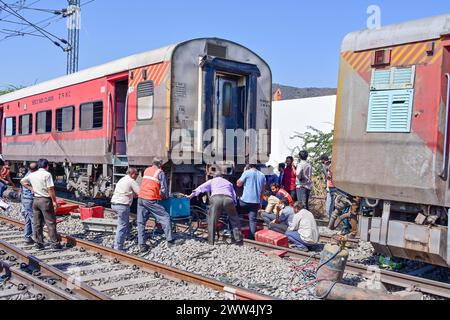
120,167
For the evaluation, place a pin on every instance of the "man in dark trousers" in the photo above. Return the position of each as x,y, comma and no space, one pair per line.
304,179
254,183
222,200
153,190
27,207
289,178
40,183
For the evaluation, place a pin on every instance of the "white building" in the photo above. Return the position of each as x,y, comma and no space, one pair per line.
291,116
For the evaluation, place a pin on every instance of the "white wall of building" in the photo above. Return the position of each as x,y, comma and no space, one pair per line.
290,116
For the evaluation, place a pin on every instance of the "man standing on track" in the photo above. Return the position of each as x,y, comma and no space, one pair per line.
121,202
288,178
223,200
153,190
254,183
40,183
304,179
27,207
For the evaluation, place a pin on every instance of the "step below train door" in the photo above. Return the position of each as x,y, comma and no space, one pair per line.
117,115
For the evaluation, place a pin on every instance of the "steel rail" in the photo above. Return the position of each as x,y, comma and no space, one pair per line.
80,288
170,272
18,277
427,286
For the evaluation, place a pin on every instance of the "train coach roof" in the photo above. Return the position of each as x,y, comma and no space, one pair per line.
111,68
414,31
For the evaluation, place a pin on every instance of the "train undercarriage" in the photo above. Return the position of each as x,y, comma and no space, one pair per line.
396,229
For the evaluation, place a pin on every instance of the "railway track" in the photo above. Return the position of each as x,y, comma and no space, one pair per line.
84,270
427,286
324,238
387,277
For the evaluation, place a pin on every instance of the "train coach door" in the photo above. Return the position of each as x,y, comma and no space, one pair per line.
227,113
120,100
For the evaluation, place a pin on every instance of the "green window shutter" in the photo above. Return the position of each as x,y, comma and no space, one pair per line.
390,111
393,78
403,78
378,111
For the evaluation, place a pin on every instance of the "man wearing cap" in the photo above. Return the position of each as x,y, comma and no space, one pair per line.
153,190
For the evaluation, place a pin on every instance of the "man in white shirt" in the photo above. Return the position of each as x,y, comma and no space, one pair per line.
303,232
126,189
304,181
40,183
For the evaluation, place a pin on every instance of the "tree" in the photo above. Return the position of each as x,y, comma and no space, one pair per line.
317,143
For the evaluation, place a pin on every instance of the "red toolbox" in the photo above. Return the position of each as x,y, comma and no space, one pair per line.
92,212
273,238
66,209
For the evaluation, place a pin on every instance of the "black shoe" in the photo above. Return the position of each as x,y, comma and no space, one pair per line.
175,243
40,246
56,246
144,248
29,242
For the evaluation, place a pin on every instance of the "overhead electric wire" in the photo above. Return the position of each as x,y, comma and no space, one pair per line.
45,33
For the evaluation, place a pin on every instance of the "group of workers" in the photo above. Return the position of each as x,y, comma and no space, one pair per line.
283,205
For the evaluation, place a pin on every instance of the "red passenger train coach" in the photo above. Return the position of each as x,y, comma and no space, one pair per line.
93,124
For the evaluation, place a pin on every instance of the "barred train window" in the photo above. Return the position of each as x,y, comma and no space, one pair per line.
10,126
391,100
227,101
145,100
25,124
44,122
91,115
65,119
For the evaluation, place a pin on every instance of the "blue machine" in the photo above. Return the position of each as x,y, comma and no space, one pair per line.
178,208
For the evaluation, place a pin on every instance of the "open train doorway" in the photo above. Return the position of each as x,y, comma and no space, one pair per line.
120,101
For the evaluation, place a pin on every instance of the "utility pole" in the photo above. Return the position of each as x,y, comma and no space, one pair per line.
73,25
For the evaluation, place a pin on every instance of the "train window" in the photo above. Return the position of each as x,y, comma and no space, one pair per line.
25,124
393,78
10,126
44,122
227,99
65,119
145,100
91,115
390,111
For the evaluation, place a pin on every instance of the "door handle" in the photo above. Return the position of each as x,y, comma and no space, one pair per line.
109,127
444,173
126,118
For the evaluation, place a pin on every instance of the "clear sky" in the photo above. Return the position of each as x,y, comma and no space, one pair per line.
299,39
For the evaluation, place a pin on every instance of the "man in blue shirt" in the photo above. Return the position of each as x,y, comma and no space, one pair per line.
27,207
254,183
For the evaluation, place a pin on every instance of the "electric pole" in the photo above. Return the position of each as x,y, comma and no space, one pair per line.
73,24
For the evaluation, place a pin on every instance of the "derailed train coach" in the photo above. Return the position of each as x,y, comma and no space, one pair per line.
172,103
392,136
